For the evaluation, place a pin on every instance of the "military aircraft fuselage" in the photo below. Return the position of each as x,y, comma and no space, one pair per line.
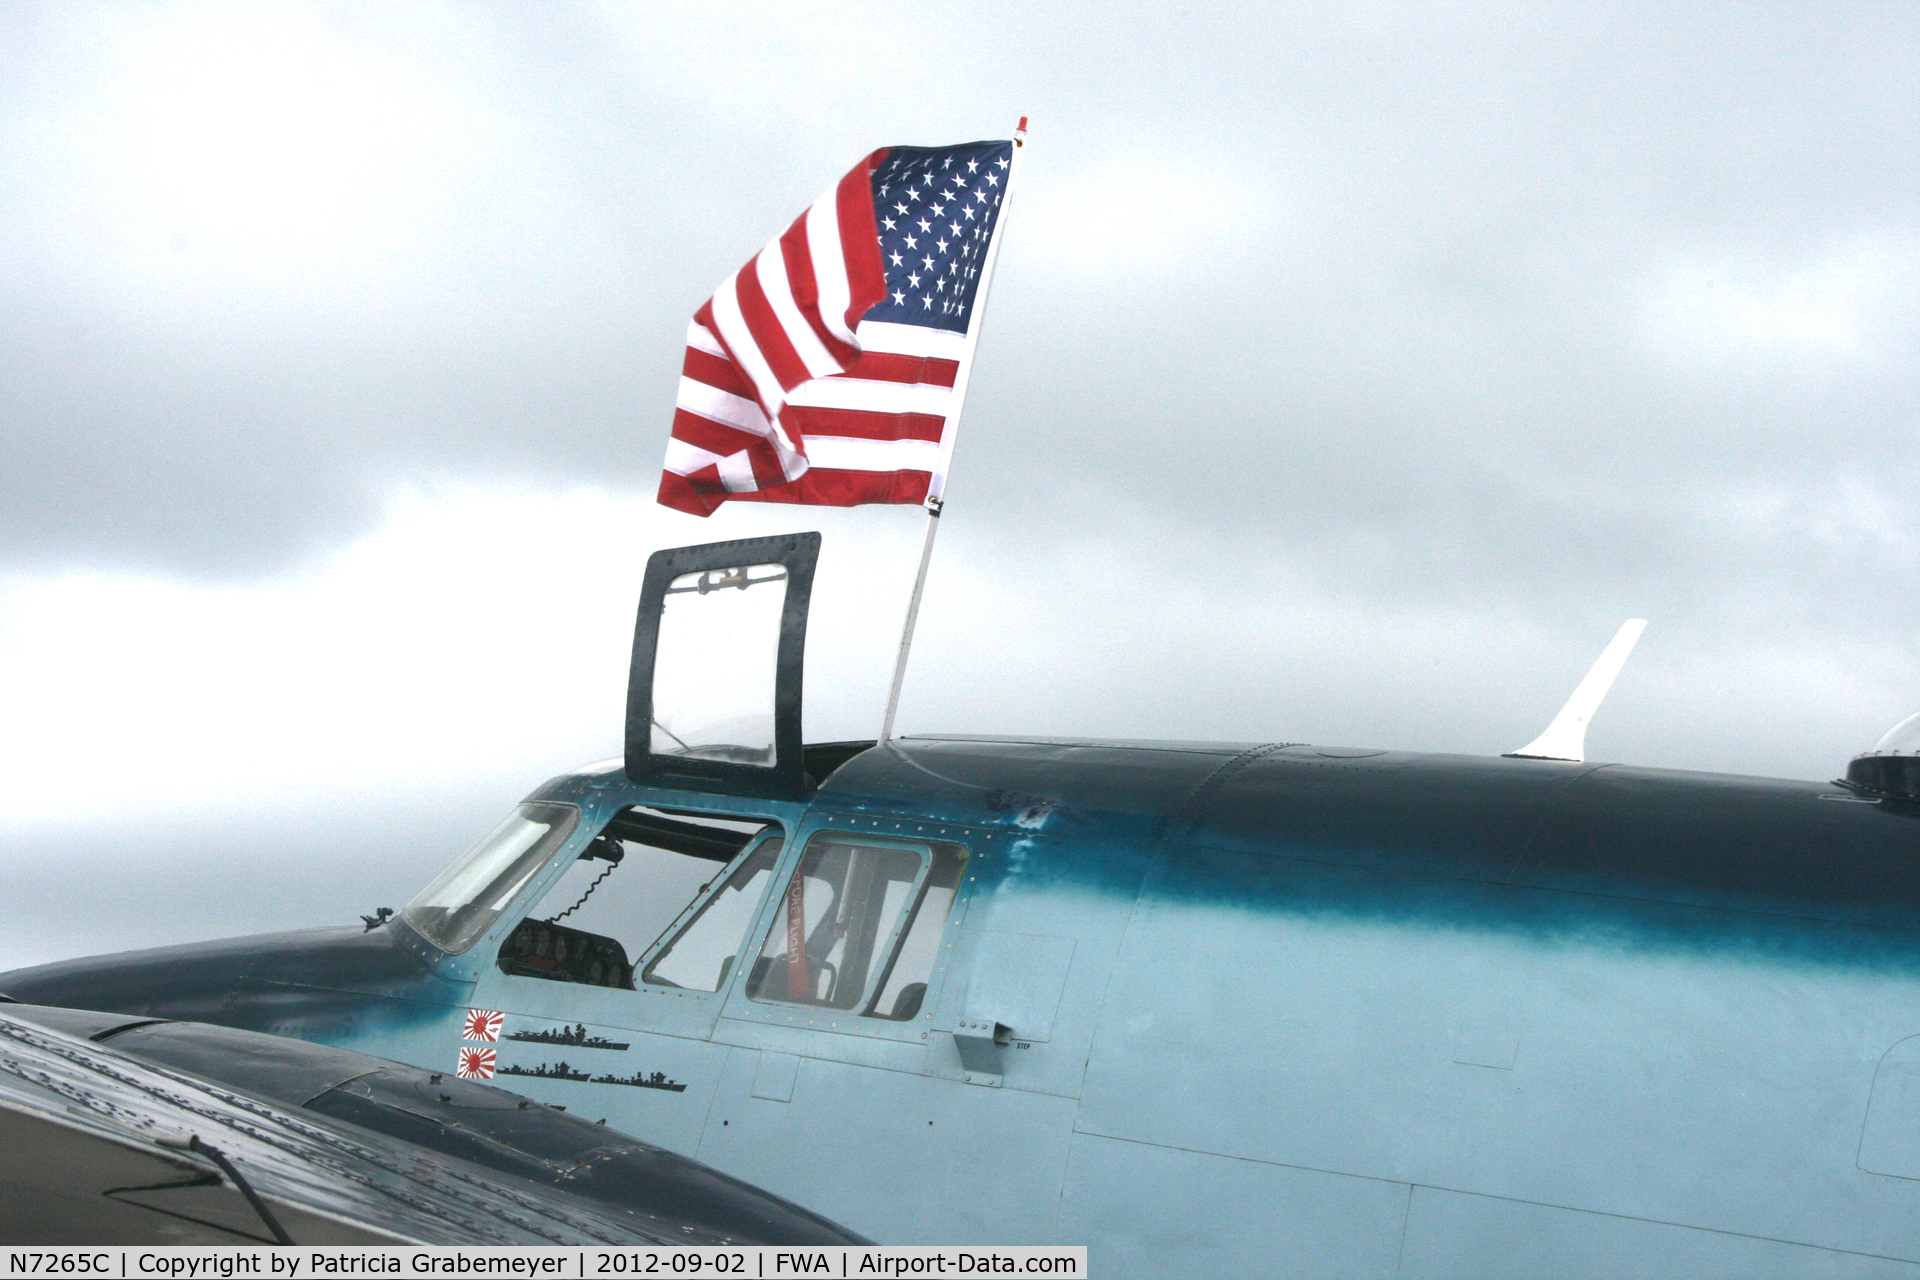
1255,1008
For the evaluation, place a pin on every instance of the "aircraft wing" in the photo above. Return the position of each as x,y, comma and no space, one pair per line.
191,1134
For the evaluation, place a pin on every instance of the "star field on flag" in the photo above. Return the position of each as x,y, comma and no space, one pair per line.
935,210
828,369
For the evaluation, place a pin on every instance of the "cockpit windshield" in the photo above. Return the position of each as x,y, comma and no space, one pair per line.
469,896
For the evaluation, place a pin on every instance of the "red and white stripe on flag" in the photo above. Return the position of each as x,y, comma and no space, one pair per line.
787,395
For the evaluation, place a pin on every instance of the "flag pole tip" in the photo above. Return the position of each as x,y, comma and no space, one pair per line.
1020,132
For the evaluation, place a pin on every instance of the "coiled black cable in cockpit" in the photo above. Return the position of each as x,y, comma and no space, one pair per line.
601,847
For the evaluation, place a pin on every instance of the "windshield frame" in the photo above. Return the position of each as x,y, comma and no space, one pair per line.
509,858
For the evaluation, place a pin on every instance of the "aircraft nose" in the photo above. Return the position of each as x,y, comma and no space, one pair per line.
187,982
295,983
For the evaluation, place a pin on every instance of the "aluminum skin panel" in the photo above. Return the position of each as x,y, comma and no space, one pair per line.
1890,1139
1745,844
1462,1237
899,1158
1673,1063
1453,816
1214,1215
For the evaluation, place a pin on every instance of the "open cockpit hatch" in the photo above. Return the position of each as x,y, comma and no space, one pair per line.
714,707
714,688
713,694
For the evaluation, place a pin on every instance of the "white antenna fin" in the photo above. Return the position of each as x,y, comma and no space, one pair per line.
1566,737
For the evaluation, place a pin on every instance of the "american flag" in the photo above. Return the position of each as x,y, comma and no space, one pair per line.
824,371
474,1064
482,1024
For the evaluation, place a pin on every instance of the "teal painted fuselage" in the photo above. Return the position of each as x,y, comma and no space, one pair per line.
1243,1010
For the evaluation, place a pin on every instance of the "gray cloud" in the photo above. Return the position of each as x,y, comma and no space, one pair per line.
1410,244
1350,374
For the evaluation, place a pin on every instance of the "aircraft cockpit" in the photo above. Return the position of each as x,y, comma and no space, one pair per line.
653,901
639,876
665,901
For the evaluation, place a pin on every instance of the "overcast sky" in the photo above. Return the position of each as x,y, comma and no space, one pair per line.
1352,372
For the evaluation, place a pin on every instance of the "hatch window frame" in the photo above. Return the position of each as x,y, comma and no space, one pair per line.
786,777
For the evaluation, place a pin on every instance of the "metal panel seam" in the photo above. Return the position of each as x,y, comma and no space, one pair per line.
1547,810
1168,832
1668,1222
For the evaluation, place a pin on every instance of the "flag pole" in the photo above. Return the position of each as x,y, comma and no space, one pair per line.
936,486
913,615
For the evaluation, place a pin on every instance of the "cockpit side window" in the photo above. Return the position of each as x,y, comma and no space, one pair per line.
469,896
903,987
643,871
858,927
701,955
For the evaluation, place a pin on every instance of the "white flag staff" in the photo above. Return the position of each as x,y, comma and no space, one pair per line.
936,489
